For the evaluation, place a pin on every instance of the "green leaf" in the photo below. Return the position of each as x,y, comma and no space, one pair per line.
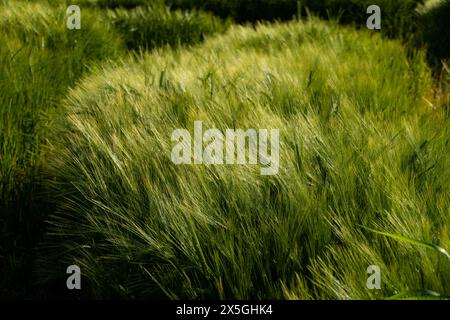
411,241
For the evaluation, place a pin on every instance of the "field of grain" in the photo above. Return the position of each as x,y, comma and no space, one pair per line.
87,175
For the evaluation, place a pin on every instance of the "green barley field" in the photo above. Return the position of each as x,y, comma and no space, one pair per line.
87,171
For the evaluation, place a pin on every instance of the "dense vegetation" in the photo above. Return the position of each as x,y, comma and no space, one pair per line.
365,152
155,26
434,30
398,16
39,60
400,19
85,170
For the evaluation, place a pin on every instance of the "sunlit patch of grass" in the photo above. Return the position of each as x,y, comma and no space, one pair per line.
359,146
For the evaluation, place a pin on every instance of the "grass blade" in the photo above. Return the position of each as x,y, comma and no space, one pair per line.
411,241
